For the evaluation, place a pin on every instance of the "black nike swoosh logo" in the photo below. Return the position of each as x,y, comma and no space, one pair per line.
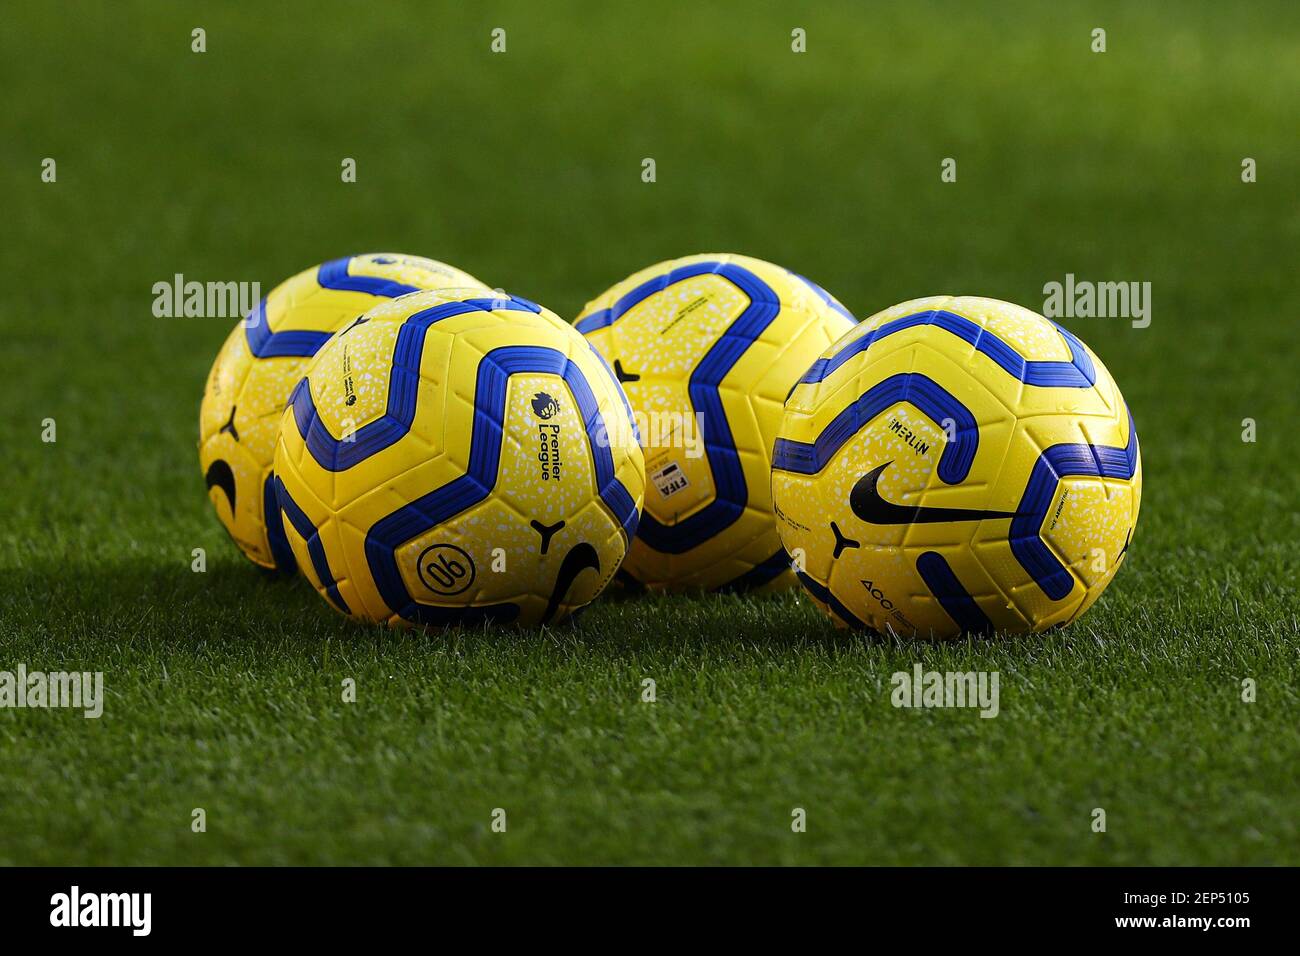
220,475
580,558
867,504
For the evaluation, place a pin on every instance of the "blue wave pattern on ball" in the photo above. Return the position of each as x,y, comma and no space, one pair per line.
1054,463
389,533
731,492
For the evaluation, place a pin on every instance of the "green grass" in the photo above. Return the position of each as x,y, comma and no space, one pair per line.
224,687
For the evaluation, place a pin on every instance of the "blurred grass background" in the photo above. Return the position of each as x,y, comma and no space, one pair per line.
524,168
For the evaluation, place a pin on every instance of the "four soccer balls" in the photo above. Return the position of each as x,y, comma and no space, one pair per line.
459,455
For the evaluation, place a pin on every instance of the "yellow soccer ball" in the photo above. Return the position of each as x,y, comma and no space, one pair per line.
455,457
707,348
263,359
956,464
